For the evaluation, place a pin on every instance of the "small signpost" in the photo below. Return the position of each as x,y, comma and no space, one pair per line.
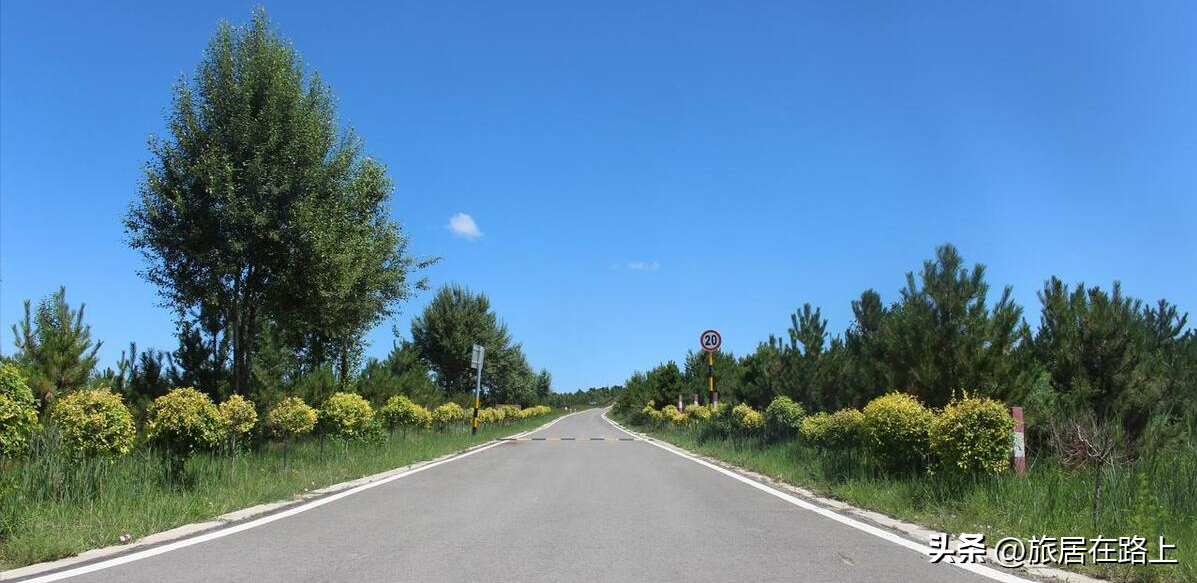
710,341
476,359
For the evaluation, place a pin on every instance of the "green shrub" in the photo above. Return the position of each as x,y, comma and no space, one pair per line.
719,425
846,429
670,413
449,413
489,415
347,416
182,422
94,423
841,430
18,412
400,411
814,428
697,413
783,418
747,419
291,417
972,436
239,416
896,431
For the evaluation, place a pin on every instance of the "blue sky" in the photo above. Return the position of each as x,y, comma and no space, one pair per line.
640,171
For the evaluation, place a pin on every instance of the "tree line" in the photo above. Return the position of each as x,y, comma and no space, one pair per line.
1094,353
267,232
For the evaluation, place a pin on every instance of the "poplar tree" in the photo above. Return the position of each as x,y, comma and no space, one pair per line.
258,206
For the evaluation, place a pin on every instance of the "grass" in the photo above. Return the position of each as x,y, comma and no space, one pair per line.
1151,496
50,508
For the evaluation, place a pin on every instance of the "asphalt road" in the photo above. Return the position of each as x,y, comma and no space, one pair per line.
552,510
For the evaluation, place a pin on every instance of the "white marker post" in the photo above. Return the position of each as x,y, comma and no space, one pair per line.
1019,450
476,359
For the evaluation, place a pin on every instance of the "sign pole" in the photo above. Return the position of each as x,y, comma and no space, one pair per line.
711,378
479,355
710,341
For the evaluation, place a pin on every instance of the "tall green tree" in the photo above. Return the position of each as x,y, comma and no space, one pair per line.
544,385
942,336
54,347
258,206
199,362
402,372
1092,343
444,335
762,374
865,350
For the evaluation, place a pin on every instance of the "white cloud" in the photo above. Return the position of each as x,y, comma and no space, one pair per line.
463,226
644,266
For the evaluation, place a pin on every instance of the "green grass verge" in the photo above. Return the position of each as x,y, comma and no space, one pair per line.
51,509
1149,497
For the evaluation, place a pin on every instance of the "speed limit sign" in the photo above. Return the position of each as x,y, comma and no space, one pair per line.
710,340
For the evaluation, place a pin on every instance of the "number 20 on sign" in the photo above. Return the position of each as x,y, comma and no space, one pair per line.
710,340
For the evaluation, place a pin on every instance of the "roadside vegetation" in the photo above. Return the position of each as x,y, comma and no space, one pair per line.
268,233
908,412
78,487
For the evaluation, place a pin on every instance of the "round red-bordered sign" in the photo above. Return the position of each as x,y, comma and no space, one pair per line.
710,340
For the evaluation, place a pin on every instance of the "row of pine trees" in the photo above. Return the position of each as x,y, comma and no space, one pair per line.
1089,352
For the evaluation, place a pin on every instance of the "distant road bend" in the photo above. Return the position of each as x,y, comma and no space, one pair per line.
554,509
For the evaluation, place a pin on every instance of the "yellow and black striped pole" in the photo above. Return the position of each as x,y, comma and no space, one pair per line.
477,402
711,379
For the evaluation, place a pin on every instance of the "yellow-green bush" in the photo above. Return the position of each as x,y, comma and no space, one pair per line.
814,428
896,431
18,412
489,415
94,423
447,414
783,418
671,414
649,414
841,430
746,418
347,416
697,413
510,414
401,412
846,429
239,415
184,420
972,435
291,417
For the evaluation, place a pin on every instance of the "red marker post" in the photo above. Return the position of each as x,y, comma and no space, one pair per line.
1018,453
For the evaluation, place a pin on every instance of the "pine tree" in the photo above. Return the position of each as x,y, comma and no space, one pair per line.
54,347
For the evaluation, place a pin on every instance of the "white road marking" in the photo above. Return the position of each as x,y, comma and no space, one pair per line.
223,532
796,501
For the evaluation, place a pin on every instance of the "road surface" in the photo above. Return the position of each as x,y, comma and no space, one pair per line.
555,511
